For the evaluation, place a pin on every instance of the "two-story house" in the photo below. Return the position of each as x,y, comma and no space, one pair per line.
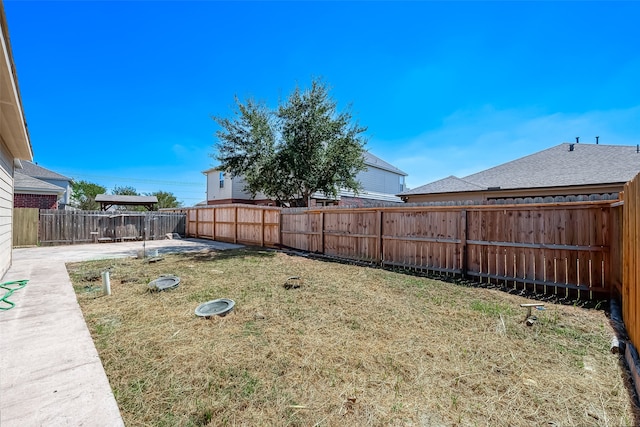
381,181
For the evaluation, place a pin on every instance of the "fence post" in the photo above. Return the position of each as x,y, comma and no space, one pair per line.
197,223
213,226
280,228
73,228
262,227
235,226
463,242
322,232
379,255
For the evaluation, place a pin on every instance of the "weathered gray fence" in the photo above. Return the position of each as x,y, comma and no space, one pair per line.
72,227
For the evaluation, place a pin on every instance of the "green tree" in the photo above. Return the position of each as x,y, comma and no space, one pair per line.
302,147
83,195
125,191
166,199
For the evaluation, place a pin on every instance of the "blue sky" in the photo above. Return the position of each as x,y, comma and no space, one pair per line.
122,92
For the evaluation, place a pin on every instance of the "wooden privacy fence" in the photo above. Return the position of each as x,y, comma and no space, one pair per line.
25,226
544,248
537,247
631,260
71,227
247,224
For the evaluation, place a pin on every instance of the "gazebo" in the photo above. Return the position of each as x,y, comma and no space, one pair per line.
109,200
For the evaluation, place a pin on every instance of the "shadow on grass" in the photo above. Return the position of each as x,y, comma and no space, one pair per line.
249,251
570,298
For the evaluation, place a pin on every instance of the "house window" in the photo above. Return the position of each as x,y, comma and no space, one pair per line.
401,183
221,179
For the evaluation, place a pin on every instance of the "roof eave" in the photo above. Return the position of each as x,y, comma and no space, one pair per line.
34,190
13,119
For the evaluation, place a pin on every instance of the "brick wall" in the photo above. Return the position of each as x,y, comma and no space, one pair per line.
40,201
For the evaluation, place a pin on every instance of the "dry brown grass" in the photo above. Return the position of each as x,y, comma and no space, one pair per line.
352,346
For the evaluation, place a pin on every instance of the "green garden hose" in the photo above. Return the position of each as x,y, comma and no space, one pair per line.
11,287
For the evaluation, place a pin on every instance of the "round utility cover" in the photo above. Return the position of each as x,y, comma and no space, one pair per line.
216,307
164,282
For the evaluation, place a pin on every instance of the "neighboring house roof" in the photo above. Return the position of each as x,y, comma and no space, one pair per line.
559,166
450,184
37,171
371,160
25,184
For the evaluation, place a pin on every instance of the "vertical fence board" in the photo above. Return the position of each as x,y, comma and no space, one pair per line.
630,257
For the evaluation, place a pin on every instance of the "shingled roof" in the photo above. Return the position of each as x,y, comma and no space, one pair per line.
25,184
372,160
565,165
37,171
109,200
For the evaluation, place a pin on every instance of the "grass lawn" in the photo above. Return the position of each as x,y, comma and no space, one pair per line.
352,346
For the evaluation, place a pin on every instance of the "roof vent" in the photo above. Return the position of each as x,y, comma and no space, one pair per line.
597,138
577,140
571,147
493,188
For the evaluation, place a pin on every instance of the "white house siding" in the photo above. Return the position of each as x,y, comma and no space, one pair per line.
214,192
238,190
6,207
380,180
64,184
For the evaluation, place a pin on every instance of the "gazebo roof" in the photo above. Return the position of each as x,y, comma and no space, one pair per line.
108,200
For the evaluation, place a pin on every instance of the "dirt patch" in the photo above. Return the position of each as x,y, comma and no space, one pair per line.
347,345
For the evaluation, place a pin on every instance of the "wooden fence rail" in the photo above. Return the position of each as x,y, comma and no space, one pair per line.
59,227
